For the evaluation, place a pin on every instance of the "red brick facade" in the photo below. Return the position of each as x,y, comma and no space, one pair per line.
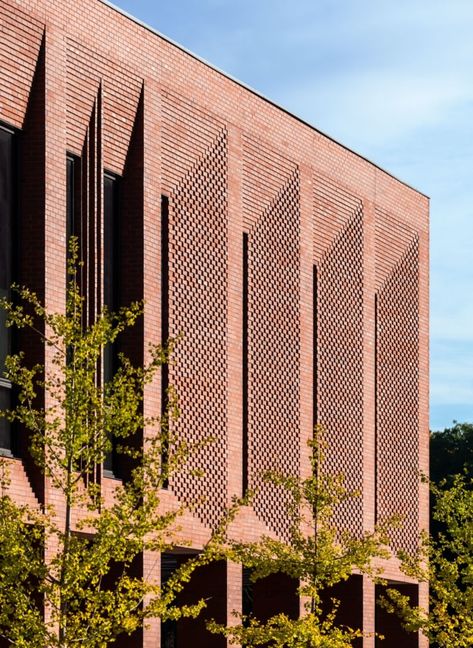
325,228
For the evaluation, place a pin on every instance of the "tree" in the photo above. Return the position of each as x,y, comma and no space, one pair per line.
317,554
451,451
445,561
78,558
445,558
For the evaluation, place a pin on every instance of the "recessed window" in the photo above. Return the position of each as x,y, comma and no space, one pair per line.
7,174
73,206
164,317
111,189
245,367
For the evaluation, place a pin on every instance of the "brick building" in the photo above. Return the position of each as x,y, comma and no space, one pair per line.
297,269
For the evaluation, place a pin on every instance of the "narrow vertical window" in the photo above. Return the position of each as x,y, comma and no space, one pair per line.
245,367
164,317
315,413
6,274
110,284
247,593
70,229
169,564
110,197
73,203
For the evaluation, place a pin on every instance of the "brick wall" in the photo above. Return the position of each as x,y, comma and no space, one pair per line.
83,78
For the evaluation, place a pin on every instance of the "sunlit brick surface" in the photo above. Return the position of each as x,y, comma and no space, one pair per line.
198,269
274,350
81,78
340,361
398,397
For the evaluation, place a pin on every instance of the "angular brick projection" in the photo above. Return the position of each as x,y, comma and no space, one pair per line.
334,206
339,321
86,72
393,237
296,270
21,36
265,173
187,134
397,324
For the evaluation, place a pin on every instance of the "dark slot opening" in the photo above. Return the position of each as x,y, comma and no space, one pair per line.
245,367
7,260
110,290
164,321
376,409
315,334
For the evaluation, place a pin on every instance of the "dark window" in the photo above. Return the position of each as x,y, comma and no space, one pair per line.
164,315
111,202
73,202
6,271
73,219
245,367
169,564
315,345
110,283
246,593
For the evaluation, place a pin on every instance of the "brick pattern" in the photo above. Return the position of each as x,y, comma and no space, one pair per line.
273,342
198,309
334,206
393,237
188,109
339,324
20,42
187,133
265,172
398,397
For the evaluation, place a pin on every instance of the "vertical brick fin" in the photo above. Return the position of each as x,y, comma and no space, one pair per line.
198,242
264,173
398,397
32,235
274,350
91,217
130,272
340,362
333,209
86,70
131,234
21,37
187,134
392,238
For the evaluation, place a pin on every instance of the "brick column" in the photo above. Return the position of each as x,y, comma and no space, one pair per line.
424,394
306,316
369,369
368,612
235,309
152,294
54,203
234,595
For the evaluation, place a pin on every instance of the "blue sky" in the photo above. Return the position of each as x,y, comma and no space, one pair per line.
392,79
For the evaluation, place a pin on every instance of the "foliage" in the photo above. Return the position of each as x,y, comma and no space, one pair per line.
80,555
451,451
318,554
446,563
